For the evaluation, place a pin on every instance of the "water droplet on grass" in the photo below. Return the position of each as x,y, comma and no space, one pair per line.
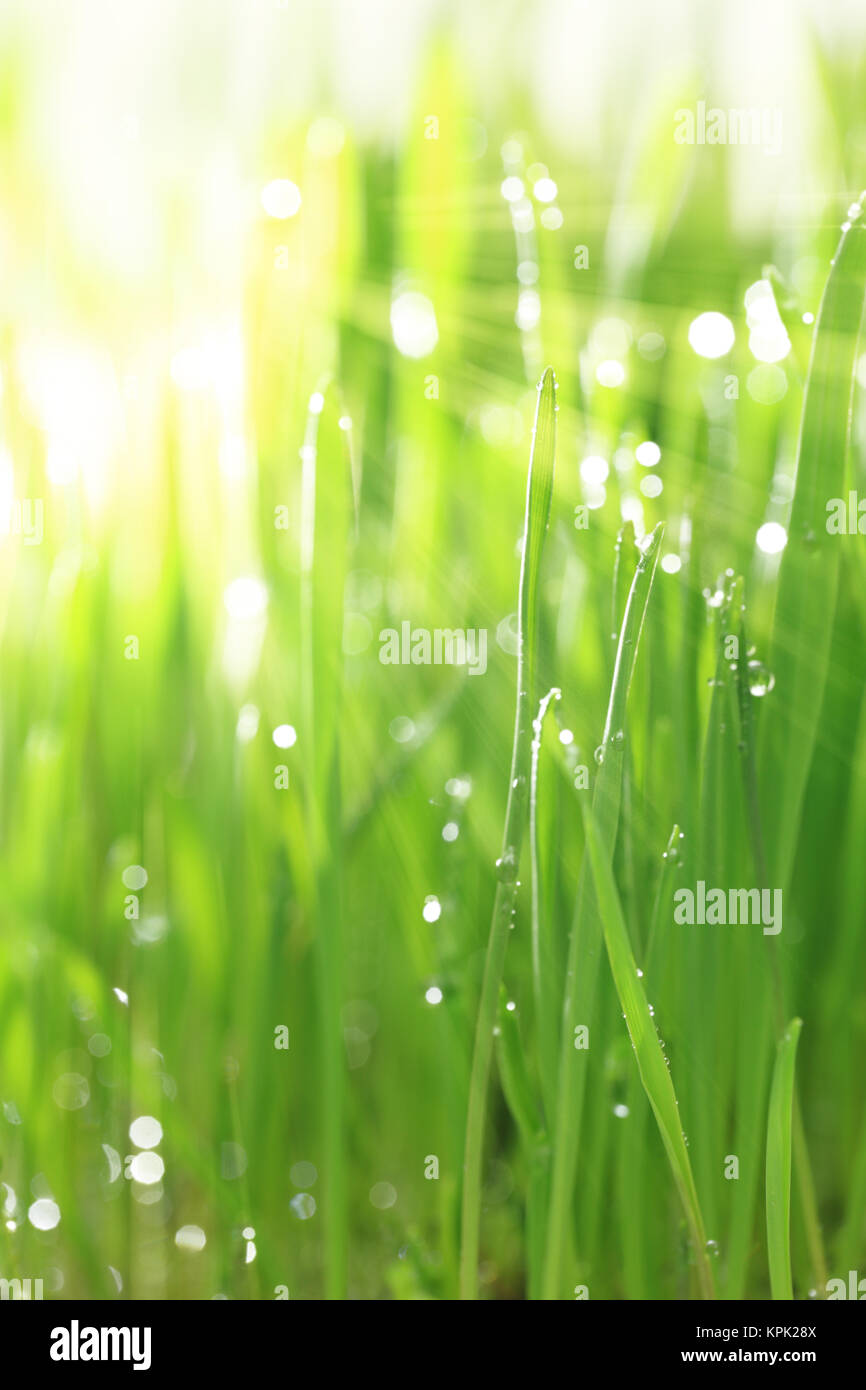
432,909
303,1206
190,1238
383,1195
761,681
71,1091
506,865
145,1132
147,1168
44,1214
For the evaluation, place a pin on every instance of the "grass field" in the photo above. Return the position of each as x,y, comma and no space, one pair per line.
328,969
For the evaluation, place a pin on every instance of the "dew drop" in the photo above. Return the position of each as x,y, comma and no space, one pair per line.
303,1206
761,681
506,865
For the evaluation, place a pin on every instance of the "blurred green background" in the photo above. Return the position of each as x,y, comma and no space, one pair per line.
212,214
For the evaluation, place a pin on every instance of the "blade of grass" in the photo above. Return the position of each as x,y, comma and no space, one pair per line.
809,574
632,1176
650,1058
543,956
518,1091
585,941
802,1164
752,968
779,1129
539,490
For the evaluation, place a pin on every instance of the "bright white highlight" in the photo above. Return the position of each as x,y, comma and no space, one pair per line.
281,199
245,597
413,324
545,190
594,469
44,1214
511,188
648,454
610,373
711,334
768,337
771,538
145,1132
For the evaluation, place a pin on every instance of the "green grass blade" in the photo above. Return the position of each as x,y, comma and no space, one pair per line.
518,1091
539,490
545,984
634,1175
585,941
805,1185
809,575
511,1061
649,1056
779,1127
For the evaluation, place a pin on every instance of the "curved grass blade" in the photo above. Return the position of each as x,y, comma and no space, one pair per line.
633,1175
539,490
585,941
779,1126
653,1068
790,309
809,574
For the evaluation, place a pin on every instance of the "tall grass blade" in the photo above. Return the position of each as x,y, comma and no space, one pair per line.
649,1056
779,1131
809,575
585,941
545,984
539,491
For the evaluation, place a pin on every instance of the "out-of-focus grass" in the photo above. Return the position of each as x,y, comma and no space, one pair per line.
352,905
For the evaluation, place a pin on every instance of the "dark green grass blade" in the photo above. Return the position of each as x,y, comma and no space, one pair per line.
779,1127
